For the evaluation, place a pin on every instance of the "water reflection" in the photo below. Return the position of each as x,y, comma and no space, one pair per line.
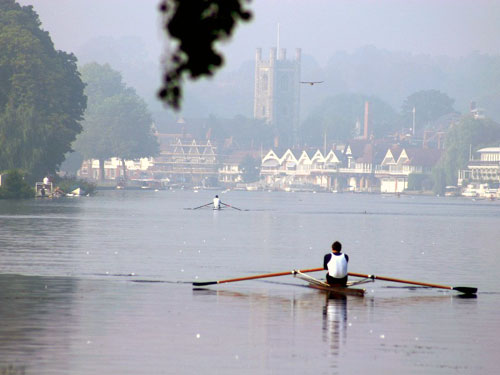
335,321
31,310
125,313
36,236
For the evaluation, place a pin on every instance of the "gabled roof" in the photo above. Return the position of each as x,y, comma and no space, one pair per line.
373,153
177,148
318,157
392,155
270,155
289,156
304,158
333,157
193,149
356,147
209,150
425,157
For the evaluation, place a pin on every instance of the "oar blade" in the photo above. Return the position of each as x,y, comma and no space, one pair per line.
465,289
205,283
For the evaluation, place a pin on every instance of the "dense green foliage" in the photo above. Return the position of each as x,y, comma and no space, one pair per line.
469,134
14,186
338,115
196,25
41,95
420,182
251,169
72,163
245,133
117,121
429,106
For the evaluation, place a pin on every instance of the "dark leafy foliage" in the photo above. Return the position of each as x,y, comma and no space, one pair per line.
429,106
41,95
338,115
469,134
195,26
251,169
14,186
117,121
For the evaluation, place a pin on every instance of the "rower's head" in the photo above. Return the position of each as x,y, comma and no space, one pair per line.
216,196
336,247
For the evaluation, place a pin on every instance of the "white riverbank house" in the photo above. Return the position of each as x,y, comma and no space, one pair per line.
482,176
358,166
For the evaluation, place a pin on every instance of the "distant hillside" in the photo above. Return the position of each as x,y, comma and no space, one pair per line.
390,76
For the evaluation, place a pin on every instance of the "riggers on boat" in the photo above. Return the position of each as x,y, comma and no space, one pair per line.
333,289
318,284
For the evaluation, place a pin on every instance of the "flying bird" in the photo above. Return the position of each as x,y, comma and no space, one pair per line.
311,82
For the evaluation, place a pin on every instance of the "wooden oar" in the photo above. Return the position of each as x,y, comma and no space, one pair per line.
195,208
228,205
256,277
461,289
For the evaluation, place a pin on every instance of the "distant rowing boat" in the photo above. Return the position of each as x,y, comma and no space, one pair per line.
339,290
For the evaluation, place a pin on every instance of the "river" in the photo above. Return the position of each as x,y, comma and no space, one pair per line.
102,285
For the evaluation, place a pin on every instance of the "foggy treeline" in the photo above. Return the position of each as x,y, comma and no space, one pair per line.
391,76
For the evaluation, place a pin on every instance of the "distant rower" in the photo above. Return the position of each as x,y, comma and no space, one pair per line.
216,203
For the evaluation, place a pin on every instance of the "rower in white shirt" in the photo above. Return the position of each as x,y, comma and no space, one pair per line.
216,203
336,264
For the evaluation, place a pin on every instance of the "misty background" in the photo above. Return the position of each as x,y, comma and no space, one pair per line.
388,49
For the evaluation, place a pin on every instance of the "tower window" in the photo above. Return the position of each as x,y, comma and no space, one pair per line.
264,82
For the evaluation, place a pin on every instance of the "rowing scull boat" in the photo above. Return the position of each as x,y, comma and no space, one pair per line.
340,290
318,284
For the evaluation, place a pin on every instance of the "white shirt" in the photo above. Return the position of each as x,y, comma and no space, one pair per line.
216,203
337,266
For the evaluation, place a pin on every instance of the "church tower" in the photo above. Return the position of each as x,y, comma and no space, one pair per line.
277,93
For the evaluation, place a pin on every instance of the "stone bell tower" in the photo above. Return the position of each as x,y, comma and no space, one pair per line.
277,93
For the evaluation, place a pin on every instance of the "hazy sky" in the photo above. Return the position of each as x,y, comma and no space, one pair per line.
319,27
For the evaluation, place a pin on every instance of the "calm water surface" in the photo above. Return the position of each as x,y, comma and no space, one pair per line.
102,285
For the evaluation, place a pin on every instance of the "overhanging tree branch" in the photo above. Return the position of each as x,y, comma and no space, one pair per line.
195,26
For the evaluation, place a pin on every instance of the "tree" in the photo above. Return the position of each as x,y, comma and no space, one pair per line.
245,133
337,117
429,105
14,187
195,26
420,181
251,169
117,121
466,135
41,95
72,163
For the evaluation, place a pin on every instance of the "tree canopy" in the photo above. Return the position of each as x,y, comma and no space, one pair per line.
469,134
338,115
429,106
251,169
117,121
41,95
195,26
14,187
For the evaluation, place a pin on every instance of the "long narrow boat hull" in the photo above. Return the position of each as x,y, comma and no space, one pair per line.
339,290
